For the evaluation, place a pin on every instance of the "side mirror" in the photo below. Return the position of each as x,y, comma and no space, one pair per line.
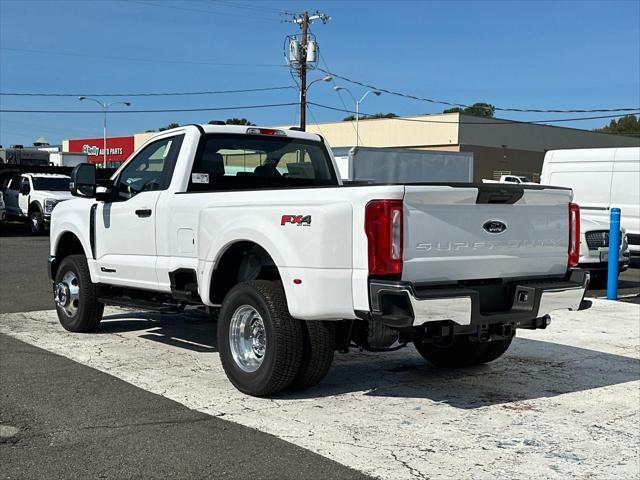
25,189
83,180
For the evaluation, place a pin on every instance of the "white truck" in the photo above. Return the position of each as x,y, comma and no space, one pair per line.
256,222
67,159
33,196
517,179
601,179
402,165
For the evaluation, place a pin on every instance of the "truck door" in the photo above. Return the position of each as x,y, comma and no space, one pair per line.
125,239
24,195
11,196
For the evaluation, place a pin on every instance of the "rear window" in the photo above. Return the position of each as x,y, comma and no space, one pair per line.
238,162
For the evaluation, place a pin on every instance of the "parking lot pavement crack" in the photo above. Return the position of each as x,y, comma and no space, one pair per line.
412,471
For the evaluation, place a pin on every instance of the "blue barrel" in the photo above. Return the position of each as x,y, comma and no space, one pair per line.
614,255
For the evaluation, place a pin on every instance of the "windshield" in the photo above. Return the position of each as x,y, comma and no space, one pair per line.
53,184
235,162
524,179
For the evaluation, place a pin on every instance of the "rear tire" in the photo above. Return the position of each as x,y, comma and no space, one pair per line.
495,350
463,352
76,296
260,344
317,354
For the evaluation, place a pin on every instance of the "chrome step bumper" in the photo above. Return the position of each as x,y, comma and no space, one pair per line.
461,305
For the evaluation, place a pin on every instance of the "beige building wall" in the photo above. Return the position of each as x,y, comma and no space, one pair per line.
139,139
442,131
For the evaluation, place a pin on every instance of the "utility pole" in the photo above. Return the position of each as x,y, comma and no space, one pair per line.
304,21
303,71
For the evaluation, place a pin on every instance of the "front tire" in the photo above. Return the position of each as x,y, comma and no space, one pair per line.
260,344
462,352
76,296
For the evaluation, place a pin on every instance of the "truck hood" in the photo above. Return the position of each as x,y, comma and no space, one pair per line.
58,196
587,224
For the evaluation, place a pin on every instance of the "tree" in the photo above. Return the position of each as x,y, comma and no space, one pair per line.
350,118
168,127
479,109
626,124
238,121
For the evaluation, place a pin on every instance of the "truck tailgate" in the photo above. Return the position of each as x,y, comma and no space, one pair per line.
484,231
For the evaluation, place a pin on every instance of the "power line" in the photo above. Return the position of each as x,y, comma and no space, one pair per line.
148,60
160,110
463,105
481,122
234,4
160,94
164,5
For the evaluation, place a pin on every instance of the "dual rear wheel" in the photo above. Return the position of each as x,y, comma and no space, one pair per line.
263,349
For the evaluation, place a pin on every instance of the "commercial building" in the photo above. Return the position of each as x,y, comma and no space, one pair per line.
118,148
498,146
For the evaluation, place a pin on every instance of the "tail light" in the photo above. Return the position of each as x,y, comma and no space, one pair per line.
574,235
383,226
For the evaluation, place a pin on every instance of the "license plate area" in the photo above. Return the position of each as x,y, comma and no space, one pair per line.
604,255
523,299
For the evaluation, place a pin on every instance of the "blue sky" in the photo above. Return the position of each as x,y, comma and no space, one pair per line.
538,54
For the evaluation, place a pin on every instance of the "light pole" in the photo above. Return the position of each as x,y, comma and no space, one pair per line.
377,93
303,95
105,106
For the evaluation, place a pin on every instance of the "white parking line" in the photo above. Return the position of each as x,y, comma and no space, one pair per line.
562,402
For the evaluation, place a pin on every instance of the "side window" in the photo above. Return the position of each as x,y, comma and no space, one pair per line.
14,184
24,185
236,161
151,169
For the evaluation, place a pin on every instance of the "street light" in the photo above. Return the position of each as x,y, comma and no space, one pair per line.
326,78
377,93
105,106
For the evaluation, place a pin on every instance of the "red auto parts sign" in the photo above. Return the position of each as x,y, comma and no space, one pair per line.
118,148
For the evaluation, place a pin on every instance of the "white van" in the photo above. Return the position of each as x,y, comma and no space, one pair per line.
601,178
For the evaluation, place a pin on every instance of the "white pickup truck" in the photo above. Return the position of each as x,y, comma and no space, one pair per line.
33,196
517,179
256,222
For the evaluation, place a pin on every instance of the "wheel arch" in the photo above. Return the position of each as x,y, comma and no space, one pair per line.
240,261
66,243
33,206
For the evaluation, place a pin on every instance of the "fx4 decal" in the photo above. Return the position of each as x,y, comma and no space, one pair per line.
296,220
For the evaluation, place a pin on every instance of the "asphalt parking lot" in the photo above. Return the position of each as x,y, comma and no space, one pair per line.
146,397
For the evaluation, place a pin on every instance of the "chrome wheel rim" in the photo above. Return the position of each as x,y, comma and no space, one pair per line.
247,338
66,294
35,226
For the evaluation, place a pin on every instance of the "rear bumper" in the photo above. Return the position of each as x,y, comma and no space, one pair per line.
462,305
600,267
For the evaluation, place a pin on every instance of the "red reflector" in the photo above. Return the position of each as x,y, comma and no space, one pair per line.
297,281
574,235
383,226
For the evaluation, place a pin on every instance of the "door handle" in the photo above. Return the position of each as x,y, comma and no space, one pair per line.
145,212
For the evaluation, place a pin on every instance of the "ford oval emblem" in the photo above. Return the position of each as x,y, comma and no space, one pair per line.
494,226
